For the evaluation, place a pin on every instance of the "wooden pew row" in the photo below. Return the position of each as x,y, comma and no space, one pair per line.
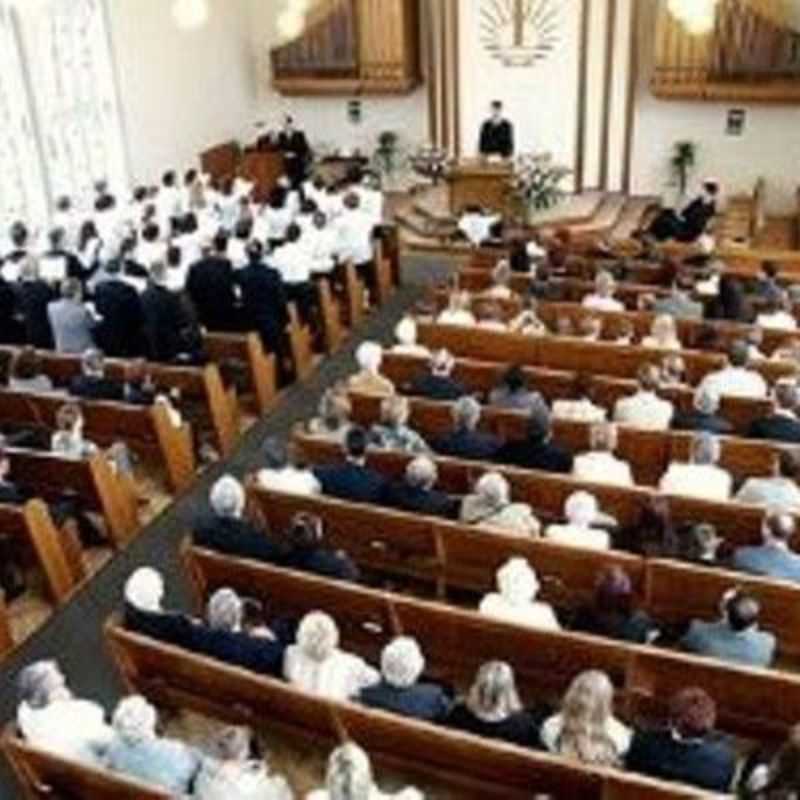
752,703
472,768
148,431
6,639
454,560
567,353
648,452
739,524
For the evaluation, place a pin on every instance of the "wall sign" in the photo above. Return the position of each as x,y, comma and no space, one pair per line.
737,117
520,33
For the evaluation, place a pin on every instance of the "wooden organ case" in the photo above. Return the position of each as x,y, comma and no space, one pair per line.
351,47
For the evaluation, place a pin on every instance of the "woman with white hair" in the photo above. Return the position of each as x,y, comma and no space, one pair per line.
663,334
349,777
700,477
602,299
490,506
369,379
406,335
458,310
580,510
333,415
393,432
600,465
402,665
586,729
493,709
138,752
515,598
231,774
50,718
316,665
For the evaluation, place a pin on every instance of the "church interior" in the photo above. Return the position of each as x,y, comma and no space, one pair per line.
400,399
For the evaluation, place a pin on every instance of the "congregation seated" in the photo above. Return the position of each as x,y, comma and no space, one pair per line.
137,751
679,303
701,544
777,778
68,439
736,379
284,470
774,557
780,490
700,477
612,613
600,465
51,718
224,528
537,450
352,480
315,663
92,383
500,288
585,729
603,297
493,709
581,512
736,637
704,416
458,310
527,322
333,416
663,334
688,749
400,689
304,549
438,383
417,494
777,316
515,599
581,408
26,373
490,506
465,440
369,379
514,394
349,777
393,431
71,322
782,424
673,372
645,409
406,335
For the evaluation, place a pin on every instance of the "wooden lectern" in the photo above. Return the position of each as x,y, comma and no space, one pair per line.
480,182
263,168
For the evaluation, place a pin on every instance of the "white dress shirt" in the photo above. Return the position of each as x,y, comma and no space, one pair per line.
598,467
652,343
247,780
320,246
735,382
578,411
292,261
578,536
644,410
702,481
461,317
532,615
148,253
779,321
289,480
595,302
770,492
354,237
53,268
339,677
272,223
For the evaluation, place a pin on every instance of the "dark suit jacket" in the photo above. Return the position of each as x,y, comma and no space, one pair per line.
236,537
421,501
93,388
210,286
33,298
169,328
695,421
521,728
264,303
260,655
423,701
531,454
497,139
11,332
707,763
120,333
351,482
775,427
168,627
13,495
437,387
468,444
320,561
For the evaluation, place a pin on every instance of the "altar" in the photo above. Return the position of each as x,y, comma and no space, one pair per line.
477,181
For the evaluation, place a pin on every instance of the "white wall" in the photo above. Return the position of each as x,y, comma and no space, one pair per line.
770,146
181,91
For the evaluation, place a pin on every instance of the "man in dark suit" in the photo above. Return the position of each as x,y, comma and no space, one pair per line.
307,551
782,425
773,558
704,417
416,493
10,493
293,144
92,383
33,297
211,287
18,234
438,383
11,331
400,691
537,450
119,333
466,441
497,134
352,480
688,751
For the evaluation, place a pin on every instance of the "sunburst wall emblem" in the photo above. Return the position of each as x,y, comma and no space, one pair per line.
520,33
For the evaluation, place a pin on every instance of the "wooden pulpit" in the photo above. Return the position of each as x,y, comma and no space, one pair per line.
480,182
263,168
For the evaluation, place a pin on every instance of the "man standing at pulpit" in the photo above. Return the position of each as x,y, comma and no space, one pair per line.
293,144
497,134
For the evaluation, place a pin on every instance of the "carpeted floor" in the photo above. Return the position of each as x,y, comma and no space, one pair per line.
74,635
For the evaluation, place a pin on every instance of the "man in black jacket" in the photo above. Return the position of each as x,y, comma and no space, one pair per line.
33,297
497,134
211,287
306,551
417,495
782,425
92,383
293,144
438,383
466,441
704,417
352,480
537,450
120,330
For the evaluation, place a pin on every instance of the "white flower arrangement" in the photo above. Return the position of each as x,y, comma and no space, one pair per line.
537,180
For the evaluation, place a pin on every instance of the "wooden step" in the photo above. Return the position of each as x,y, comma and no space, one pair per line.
633,214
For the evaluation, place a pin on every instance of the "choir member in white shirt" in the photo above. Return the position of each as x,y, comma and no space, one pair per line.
600,465
66,218
274,219
603,297
645,409
169,200
294,265
151,247
331,203
701,477
736,380
580,511
305,216
237,244
355,241
320,241
371,198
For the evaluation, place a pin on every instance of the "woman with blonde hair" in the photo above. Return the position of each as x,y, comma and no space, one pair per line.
586,729
393,432
663,334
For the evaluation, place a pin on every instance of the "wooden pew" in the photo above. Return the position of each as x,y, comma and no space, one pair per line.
356,296
473,768
300,341
6,639
330,309
148,431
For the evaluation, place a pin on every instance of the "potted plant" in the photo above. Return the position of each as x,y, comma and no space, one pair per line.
536,183
682,162
386,152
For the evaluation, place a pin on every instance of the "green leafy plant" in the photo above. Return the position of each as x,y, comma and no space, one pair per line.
682,162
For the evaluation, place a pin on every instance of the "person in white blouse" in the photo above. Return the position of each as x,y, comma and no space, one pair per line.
406,335
458,310
580,510
283,473
663,334
319,241
169,200
354,229
600,465
645,409
316,665
602,299
274,219
515,598
477,225
736,379
151,247
778,316
780,490
701,477
586,729
49,717
371,199
490,506
349,777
